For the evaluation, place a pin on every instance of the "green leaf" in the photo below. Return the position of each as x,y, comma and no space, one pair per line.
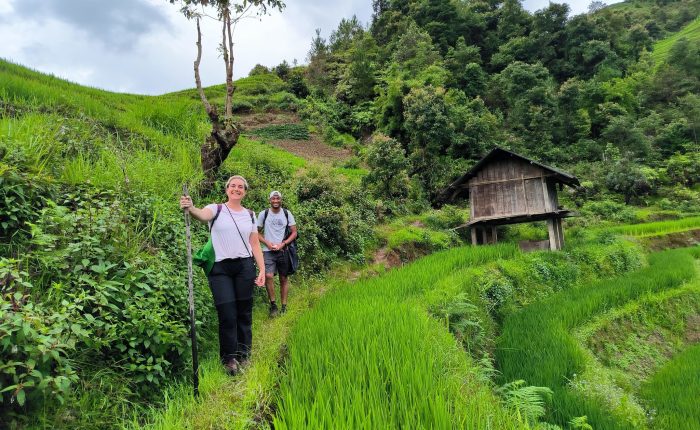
20,397
76,328
11,387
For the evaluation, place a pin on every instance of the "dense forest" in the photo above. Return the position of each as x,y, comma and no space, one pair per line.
447,81
361,140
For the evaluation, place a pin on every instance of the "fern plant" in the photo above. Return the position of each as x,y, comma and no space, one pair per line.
527,401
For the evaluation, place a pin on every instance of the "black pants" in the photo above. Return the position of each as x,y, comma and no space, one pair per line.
231,283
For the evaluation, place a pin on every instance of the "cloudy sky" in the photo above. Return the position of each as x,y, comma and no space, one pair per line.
147,47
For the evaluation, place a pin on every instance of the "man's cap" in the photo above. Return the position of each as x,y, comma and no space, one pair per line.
275,193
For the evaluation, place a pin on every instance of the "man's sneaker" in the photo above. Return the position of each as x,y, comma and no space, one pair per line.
284,308
273,310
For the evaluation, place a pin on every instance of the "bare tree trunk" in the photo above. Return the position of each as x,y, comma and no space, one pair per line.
228,58
198,81
224,134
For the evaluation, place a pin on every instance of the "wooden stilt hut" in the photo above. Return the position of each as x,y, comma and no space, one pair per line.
507,188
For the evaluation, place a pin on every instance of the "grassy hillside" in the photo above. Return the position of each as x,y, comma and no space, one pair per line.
92,251
691,32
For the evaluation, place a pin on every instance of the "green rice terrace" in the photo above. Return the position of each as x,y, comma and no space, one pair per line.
395,321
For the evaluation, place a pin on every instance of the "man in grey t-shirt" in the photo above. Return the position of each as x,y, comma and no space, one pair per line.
273,222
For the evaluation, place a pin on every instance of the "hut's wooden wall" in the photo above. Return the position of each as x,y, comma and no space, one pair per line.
509,187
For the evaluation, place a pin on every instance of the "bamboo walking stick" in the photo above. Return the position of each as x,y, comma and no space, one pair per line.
190,290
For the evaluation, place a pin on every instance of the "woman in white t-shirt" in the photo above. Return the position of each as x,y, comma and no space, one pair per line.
234,235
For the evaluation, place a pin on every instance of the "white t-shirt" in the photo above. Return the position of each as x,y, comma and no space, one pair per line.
274,227
224,236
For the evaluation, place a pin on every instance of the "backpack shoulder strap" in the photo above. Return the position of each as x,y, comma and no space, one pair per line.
264,218
252,216
286,215
218,211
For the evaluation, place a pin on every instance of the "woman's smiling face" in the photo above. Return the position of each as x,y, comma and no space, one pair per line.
236,189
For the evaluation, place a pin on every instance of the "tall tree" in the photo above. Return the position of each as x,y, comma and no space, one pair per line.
224,134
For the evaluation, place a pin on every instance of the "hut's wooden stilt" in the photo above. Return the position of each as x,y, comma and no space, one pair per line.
553,234
560,233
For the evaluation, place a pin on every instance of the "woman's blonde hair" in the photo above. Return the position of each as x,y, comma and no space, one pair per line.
245,183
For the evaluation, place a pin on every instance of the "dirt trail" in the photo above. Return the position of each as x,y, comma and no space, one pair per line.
313,149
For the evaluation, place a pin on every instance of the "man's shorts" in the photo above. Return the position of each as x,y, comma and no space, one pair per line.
276,262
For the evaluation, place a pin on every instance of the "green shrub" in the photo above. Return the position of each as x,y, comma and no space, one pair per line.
241,105
508,285
36,344
21,194
336,219
281,101
528,232
335,138
354,163
388,169
258,69
326,114
608,211
297,83
259,84
680,198
96,296
684,169
448,217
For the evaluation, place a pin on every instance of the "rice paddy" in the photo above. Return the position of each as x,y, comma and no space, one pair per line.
656,228
537,344
368,357
673,392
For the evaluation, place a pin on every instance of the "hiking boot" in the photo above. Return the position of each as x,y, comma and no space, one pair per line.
284,309
232,367
273,310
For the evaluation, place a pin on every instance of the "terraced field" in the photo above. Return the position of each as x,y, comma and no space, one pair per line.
691,32
370,357
537,344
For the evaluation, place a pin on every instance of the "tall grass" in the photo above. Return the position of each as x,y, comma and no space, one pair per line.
537,344
89,135
674,392
367,357
656,228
